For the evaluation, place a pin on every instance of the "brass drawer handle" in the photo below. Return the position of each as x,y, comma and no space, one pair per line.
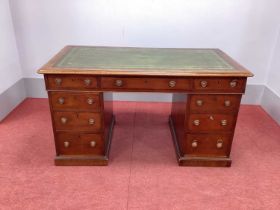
90,101
66,144
233,83
227,103
87,82
91,121
219,144
58,81
194,144
119,83
223,122
92,143
199,102
172,84
63,120
196,122
61,100
203,84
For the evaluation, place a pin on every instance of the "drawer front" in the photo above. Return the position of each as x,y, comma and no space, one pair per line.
232,85
207,144
145,83
211,122
65,82
68,144
79,144
81,121
75,101
93,144
214,103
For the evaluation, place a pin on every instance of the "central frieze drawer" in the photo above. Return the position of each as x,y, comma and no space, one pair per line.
211,122
145,83
76,101
79,121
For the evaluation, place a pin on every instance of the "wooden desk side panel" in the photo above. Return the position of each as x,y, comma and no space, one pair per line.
107,99
178,115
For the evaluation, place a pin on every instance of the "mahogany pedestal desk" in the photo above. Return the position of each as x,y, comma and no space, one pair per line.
207,86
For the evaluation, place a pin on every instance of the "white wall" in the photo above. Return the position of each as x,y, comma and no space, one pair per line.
273,80
244,29
10,71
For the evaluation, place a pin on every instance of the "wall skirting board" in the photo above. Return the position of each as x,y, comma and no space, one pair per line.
35,88
271,104
10,98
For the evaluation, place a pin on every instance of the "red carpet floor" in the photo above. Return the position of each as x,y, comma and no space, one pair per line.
143,172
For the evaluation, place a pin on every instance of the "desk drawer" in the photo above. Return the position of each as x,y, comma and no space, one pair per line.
229,85
145,83
68,144
80,121
207,144
75,101
208,103
80,144
211,122
93,144
65,82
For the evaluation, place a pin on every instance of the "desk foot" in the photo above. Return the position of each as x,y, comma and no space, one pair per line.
185,160
88,160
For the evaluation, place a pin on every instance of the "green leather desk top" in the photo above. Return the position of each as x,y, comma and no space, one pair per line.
138,61
142,58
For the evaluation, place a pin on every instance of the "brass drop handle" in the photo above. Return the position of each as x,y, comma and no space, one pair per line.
196,122
63,120
119,83
172,83
61,100
233,83
92,143
91,121
90,101
227,103
203,84
66,144
219,144
223,122
199,102
87,82
194,144
58,81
